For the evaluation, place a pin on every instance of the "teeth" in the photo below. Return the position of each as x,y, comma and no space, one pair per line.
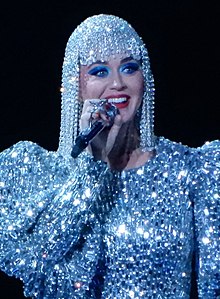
117,100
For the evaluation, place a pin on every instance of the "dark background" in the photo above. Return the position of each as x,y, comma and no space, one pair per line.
182,37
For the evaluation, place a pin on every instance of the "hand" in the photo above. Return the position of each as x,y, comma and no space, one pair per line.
103,143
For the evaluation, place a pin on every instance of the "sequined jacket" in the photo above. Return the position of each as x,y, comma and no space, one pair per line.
76,229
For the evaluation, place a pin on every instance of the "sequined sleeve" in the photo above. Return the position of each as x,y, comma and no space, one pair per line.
207,219
26,169
46,220
27,172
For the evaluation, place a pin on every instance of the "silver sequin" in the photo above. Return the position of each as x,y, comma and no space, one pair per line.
75,229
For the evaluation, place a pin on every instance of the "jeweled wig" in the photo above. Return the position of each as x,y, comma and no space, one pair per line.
99,38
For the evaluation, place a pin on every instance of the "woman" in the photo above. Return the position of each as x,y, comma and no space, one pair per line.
123,219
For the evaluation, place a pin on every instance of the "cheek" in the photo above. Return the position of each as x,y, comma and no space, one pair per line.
83,82
138,86
89,88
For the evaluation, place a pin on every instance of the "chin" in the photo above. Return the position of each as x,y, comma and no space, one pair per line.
126,120
127,116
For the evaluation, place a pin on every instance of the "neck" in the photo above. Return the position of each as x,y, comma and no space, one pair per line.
138,158
126,153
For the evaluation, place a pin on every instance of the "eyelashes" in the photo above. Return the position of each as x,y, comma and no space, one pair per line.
130,68
103,71
99,71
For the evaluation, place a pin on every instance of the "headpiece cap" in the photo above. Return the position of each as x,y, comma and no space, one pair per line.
97,39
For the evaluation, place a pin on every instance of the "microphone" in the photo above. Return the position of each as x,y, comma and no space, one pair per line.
84,138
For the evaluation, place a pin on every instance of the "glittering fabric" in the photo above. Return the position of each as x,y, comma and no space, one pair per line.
75,229
99,38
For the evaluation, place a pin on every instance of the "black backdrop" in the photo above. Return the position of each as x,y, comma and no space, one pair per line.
181,36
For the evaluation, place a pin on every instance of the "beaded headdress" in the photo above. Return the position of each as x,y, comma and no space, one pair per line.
98,38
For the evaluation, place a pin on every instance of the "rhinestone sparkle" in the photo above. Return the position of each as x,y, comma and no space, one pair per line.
75,229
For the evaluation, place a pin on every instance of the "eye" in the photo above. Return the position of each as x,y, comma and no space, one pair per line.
99,71
130,68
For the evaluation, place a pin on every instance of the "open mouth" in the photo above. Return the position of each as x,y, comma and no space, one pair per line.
119,102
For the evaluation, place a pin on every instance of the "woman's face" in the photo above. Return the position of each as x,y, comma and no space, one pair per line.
118,80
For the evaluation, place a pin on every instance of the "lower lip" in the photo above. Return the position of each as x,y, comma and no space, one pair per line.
122,105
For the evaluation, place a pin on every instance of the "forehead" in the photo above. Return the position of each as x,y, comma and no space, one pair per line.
116,59
100,56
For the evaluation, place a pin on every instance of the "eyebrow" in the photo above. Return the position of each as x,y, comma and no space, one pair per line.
127,59
106,62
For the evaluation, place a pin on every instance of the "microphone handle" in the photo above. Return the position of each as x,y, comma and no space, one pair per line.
86,136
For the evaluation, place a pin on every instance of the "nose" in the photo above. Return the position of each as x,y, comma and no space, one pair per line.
118,82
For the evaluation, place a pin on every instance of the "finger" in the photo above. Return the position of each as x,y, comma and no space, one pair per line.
89,104
88,113
84,120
